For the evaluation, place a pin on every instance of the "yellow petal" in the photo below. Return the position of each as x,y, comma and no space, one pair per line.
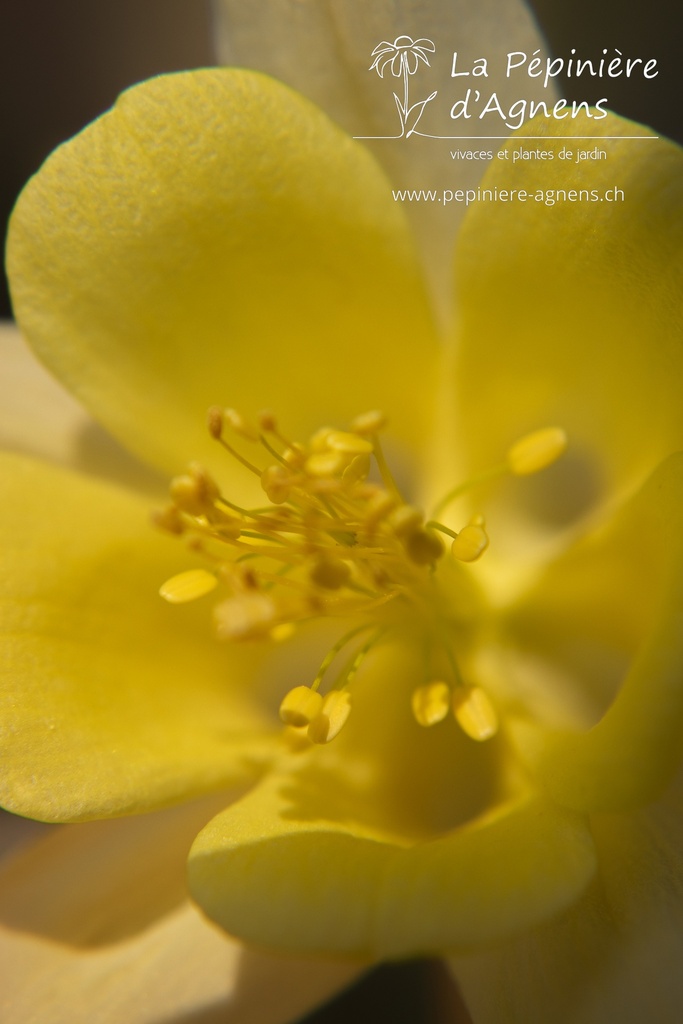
611,611
281,870
94,926
112,700
615,956
336,850
571,313
334,71
215,239
523,864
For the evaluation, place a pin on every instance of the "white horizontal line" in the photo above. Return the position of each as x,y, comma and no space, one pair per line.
537,138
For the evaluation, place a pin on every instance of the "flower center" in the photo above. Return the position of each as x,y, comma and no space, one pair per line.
335,539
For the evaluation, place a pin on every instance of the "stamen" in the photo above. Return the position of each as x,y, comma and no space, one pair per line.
423,547
248,616
214,421
195,491
335,710
351,444
369,422
276,482
528,455
536,451
300,706
329,573
470,544
383,466
188,586
333,652
169,519
333,543
349,675
237,422
357,470
475,713
430,703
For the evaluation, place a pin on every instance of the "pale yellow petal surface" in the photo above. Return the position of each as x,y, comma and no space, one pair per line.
94,926
216,239
112,700
324,51
274,871
616,955
619,598
381,842
571,312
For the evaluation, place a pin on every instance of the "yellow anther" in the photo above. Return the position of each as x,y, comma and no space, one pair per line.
328,463
247,616
470,544
169,519
276,482
318,441
368,422
294,457
352,444
330,573
267,421
214,421
229,527
187,495
378,509
475,713
188,586
405,520
300,706
430,703
536,451
357,470
237,422
336,708
423,547
283,631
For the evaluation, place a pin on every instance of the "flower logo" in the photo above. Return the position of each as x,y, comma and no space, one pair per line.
403,57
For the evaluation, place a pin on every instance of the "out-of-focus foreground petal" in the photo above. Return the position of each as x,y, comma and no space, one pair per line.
616,955
39,417
571,312
111,702
94,925
325,52
631,754
216,239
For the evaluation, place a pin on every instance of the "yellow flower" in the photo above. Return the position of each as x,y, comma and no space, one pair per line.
216,238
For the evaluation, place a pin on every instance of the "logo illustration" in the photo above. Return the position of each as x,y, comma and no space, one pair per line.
403,58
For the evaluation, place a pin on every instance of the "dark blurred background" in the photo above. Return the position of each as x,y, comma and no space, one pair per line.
62,64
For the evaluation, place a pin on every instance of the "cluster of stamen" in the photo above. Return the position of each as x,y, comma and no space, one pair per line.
335,539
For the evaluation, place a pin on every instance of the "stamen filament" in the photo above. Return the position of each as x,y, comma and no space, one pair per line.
276,455
434,525
240,458
383,467
347,676
334,651
463,488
